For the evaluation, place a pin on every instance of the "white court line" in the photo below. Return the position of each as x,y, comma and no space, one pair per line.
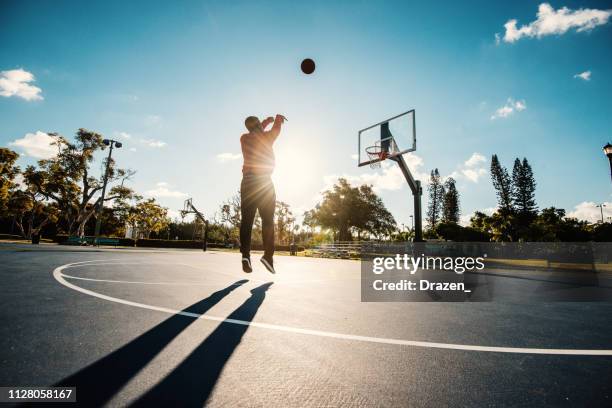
139,282
59,276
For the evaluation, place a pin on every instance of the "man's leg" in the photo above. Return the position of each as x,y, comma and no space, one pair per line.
248,207
267,205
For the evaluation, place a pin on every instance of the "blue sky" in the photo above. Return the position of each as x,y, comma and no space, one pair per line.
174,82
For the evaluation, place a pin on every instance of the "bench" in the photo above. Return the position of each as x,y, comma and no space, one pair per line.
75,240
107,241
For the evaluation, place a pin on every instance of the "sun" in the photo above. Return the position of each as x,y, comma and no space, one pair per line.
296,174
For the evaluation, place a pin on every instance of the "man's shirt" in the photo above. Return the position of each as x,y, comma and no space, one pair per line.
257,151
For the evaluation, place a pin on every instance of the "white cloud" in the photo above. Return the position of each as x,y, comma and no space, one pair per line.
588,211
475,159
471,169
163,190
509,108
36,145
473,175
497,39
586,75
146,142
16,82
225,157
465,219
123,135
389,177
152,142
173,214
550,22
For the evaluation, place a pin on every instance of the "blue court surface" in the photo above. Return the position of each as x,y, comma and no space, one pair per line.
187,328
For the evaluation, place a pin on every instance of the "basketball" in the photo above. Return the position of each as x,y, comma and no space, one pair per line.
308,66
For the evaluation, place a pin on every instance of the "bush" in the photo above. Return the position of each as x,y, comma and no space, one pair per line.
60,239
166,243
455,232
129,242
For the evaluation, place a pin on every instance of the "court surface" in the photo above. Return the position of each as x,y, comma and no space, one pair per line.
154,327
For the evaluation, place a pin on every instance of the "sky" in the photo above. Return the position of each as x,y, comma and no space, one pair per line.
173,81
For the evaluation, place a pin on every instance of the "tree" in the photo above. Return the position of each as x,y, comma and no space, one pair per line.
284,221
29,206
346,209
481,222
503,185
376,219
436,197
523,193
148,216
230,211
8,172
71,185
450,205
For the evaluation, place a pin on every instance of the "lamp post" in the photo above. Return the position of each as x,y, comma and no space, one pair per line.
601,206
608,152
111,143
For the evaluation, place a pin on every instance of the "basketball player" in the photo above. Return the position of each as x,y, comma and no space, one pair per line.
257,190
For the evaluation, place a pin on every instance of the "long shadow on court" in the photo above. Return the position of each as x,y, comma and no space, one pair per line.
191,382
97,383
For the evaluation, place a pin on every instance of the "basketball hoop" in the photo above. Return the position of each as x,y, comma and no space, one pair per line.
377,154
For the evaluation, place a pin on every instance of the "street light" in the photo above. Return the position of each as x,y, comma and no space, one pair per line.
118,145
601,206
608,151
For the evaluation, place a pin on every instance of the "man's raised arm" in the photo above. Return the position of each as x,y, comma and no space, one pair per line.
276,128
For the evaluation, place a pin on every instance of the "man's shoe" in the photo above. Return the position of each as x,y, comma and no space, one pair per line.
268,263
246,265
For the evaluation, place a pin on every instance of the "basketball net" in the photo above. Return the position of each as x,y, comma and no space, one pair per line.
376,154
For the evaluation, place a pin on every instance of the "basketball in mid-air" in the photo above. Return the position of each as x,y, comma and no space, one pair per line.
308,66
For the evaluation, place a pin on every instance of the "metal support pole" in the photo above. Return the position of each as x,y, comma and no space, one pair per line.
417,191
418,223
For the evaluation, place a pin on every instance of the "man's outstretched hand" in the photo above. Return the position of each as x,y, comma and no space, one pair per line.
280,118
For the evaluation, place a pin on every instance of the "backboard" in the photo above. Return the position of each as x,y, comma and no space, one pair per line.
391,137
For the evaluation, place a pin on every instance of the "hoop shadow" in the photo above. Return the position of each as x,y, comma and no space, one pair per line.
191,382
99,382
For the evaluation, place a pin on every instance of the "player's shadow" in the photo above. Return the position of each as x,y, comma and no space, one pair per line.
192,381
97,383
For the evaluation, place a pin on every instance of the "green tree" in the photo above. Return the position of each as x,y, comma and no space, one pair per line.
148,216
8,172
345,209
523,193
481,222
71,183
284,221
436,198
230,211
503,186
450,205
29,206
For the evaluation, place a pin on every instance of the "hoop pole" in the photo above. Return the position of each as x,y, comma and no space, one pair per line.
417,192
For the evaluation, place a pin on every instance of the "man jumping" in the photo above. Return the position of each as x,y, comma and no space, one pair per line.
257,190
